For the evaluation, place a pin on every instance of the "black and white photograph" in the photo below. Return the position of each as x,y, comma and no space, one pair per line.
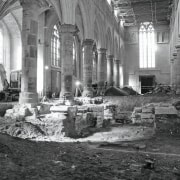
89,90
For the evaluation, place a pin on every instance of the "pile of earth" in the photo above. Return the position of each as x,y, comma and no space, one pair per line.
113,91
130,91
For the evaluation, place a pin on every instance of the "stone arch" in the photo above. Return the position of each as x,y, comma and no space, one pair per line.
101,30
96,34
11,23
109,41
79,21
116,48
84,18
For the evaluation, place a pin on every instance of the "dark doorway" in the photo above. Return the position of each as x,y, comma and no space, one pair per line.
147,83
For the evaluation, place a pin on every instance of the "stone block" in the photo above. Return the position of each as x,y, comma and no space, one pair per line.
150,120
44,108
95,108
136,115
82,109
60,109
99,123
137,110
147,110
147,116
170,110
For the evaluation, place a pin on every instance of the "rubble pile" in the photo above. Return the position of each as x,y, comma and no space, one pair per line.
130,91
88,100
162,89
54,120
113,91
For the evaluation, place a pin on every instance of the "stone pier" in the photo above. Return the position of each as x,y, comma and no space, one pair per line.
173,80
177,66
102,69
94,80
110,71
117,73
29,53
88,67
67,38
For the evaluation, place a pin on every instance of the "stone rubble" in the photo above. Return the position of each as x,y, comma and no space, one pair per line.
148,113
77,121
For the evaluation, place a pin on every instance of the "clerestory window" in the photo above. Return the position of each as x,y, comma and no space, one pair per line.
146,45
55,48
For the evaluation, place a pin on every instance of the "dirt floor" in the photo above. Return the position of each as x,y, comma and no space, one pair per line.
157,158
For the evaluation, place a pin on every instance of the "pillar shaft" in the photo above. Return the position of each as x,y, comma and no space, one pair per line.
94,67
88,67
67,39
172,71
177,70
110,72
102,67
117,72
29,55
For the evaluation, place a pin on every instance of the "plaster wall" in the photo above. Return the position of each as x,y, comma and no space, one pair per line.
132,70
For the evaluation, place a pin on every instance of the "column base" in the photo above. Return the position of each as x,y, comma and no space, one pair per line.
178,91
87,93
28,98
66,95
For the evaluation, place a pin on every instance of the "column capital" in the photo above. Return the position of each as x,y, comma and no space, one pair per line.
29,3
102,50
177,47
172,60
110,57
117,61
174,54
88,42
69,28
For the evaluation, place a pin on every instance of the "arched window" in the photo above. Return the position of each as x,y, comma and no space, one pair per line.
1,46
146,46
109,2
55,48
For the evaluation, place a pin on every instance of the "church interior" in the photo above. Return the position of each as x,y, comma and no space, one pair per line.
89,89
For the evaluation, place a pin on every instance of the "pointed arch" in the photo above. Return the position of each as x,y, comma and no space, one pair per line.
116,48
146,45
79,21
84,18
96,34
109,41
102,28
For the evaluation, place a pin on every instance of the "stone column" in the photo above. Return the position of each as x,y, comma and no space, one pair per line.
110,70
67,38
116,73
101,69
173,80
177,70
88,67
94,67
29,53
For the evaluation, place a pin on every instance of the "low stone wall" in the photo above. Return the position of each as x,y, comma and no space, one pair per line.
148,113
4,107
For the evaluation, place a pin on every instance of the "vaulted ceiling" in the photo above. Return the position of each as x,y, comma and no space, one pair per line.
136,11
